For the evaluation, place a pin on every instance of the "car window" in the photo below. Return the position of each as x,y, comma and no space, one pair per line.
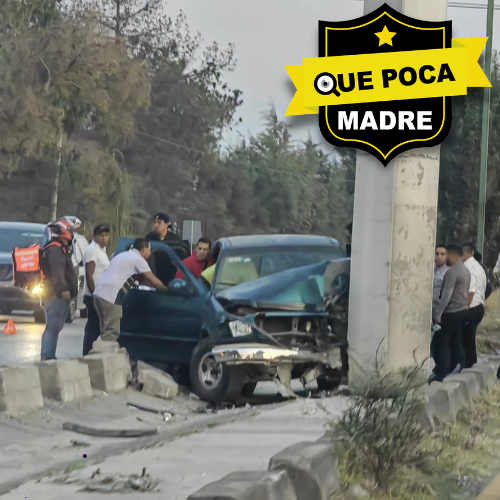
12,238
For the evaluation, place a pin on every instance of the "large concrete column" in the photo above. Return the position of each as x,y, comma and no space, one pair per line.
394,228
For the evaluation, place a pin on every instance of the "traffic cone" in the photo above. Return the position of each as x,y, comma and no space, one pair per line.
10,328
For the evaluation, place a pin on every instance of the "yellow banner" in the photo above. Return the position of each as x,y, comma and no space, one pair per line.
389,76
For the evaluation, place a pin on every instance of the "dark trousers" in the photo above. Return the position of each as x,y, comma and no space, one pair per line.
474,317
92,330
447,349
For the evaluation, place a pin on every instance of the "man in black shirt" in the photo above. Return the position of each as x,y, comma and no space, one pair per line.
161,225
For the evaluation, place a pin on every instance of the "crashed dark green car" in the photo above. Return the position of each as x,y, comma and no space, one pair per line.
277,310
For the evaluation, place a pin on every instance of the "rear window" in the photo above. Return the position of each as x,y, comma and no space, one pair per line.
12,238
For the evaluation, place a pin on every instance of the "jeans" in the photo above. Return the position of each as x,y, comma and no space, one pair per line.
56,311
92,330
447,349
474,317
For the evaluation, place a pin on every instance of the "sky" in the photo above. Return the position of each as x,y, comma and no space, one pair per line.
269,34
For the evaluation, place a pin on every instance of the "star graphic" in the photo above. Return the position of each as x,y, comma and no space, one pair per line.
385,36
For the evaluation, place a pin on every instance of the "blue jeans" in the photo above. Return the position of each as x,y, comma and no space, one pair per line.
56,311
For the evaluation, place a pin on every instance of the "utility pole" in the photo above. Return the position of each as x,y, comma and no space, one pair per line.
485,131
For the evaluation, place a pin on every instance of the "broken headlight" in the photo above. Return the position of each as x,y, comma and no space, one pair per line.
240,329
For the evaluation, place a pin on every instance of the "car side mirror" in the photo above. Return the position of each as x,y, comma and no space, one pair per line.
180,287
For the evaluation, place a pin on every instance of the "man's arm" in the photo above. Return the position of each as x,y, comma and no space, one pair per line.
155,281
89,275
472,287
57,266
496,269
449,282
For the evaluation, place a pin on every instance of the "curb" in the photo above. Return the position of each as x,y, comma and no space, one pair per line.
304,471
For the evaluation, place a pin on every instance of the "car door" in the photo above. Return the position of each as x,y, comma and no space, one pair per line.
164,327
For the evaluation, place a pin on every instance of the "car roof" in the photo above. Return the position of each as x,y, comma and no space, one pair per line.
282,240
24,226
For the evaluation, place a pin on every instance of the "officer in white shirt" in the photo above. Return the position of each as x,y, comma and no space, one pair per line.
477,292
109,293
96,261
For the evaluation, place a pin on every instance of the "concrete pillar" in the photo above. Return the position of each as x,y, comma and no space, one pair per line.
394,230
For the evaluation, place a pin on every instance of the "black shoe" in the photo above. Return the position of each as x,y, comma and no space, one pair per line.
433,378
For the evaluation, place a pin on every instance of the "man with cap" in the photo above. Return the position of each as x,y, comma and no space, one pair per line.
96,261
60,284
161,225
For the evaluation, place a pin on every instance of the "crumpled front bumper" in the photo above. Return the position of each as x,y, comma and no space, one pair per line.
234,354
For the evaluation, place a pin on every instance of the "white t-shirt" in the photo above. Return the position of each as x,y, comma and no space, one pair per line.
478,281
97,254
122,267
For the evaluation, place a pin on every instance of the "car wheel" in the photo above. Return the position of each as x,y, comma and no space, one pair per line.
330,380
40,316
71,312
84,313
211,381
248,389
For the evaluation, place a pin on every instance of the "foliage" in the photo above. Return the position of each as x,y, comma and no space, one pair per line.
380,432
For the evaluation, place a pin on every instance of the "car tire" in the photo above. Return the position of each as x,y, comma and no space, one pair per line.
40,316
84,313
71,312
330,380
211,382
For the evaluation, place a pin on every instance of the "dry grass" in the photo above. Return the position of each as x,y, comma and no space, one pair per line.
457,461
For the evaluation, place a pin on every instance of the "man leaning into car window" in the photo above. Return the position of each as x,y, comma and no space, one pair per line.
109,293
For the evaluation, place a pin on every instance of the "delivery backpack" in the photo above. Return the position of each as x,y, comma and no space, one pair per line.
27,264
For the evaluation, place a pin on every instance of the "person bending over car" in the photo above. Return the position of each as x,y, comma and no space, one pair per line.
109,291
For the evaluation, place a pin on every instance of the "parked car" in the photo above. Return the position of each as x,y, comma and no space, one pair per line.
264,318
14,298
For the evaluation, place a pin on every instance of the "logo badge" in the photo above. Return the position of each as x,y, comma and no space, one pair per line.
384,129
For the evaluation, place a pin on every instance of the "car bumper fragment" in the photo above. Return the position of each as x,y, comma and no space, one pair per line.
267,354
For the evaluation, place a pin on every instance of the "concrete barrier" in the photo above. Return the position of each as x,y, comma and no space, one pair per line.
443,402
469,385
155,382
65,380
20,390
249,485
312,468
109,372
486,374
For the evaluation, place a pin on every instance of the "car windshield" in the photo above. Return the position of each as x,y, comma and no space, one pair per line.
12,238
237,268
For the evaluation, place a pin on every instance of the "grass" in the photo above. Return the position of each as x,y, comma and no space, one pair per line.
462,458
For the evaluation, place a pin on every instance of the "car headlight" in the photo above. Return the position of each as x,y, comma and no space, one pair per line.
37,289
240,329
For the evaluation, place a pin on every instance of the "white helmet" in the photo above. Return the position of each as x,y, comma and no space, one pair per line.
74,221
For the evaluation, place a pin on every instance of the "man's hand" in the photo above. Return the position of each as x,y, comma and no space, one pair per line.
66,296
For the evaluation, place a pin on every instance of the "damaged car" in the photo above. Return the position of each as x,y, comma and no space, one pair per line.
276,310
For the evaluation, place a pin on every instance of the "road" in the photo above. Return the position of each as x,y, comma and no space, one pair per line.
24,347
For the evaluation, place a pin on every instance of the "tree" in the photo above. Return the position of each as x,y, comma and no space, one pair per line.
59,76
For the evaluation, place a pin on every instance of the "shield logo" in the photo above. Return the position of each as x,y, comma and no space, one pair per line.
384,30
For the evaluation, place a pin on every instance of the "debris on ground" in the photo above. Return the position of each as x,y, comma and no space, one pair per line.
156,382
114,483
100,432
79,444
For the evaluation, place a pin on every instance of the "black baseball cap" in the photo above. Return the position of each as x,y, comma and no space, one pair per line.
101,228
162,216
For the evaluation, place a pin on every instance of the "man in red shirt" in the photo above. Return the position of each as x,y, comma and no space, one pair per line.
197,262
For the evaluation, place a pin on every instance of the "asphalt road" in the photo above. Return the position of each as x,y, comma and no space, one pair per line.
24,347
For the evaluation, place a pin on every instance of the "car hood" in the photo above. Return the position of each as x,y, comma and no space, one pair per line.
299,289
5,258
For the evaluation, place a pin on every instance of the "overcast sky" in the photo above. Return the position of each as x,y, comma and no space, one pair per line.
269,34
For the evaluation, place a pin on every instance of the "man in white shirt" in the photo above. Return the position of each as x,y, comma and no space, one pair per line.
96,261
109,292
477,292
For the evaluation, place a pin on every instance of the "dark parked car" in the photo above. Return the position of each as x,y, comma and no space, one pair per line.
265,317
15,298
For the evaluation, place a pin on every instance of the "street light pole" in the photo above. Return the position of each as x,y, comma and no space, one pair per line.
485,130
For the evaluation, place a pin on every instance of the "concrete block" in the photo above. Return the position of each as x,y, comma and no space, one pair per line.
249,485
443,402
469,385
20,390
109,372
485,373
65,380
155,382
312,468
